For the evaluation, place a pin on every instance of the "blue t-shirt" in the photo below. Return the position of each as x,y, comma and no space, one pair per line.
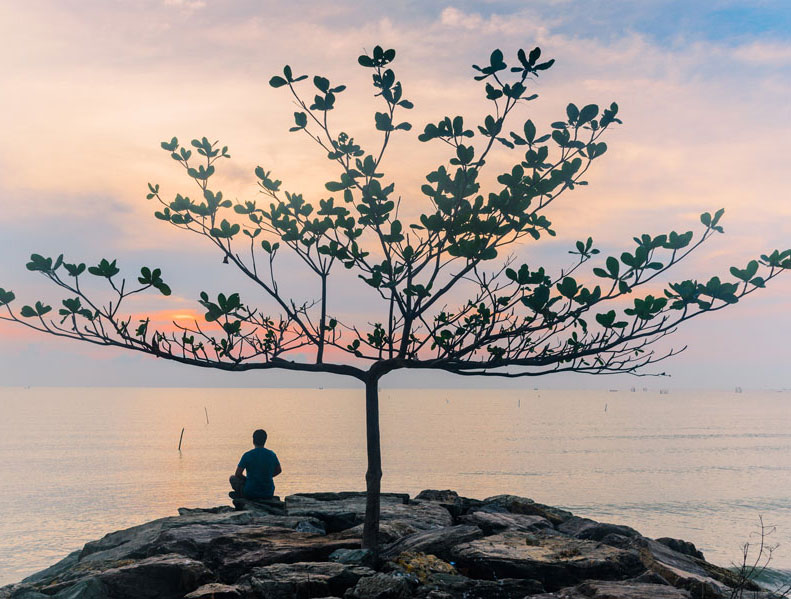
260,464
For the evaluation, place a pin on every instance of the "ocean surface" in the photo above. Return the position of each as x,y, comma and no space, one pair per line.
76,464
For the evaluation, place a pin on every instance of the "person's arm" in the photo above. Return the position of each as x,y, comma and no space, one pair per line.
277,469
240,468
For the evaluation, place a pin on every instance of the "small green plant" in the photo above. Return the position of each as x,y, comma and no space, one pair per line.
445,293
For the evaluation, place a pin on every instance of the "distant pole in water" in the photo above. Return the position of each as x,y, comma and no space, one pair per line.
519,403
207,414
181,437
605,407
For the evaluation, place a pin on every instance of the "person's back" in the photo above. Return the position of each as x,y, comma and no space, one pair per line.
261,465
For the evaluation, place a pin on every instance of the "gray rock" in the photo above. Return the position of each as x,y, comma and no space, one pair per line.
49,574
236,555
457,506
402,497
345,513
524,505
446,496
304,579
215,590
630,590
263,506
437,542
135,542
195,511
681,546
702,579
555,561
389,531
160,577
461,586
354,557
381,586
493,522
616,590
88,588
312,526
584,528
197,540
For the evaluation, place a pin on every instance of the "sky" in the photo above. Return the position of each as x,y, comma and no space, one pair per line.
88,89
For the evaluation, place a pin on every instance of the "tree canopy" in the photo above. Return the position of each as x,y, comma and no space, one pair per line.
448,295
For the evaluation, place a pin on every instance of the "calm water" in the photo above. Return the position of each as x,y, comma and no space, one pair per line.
703,466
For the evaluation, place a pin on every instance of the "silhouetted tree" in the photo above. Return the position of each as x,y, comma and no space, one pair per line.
445,303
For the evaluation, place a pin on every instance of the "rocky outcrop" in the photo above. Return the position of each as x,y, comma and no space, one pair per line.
437,546
556,561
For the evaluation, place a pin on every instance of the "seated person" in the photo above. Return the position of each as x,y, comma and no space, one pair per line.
261,465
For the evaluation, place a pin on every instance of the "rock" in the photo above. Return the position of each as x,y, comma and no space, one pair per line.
236,555
197,540
494,522
160,577
196,511
616,540
389,531
421,565
438,541
88,588
616,590
457,506
303,579
381,586
524,505
681,546
446,496
265,506
215,590
49,574
441,587
354,557
348,512
702,579
555,561
135,542
311,526
584,528
630,590
402,497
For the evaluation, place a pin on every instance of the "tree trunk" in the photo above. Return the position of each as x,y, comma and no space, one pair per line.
373,476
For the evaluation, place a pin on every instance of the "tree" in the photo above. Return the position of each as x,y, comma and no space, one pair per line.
446,303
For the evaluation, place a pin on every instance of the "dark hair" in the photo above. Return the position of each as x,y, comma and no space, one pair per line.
259,437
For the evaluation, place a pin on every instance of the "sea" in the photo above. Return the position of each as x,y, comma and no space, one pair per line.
705,466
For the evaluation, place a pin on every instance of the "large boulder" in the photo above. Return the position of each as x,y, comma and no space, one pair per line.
456,505
702,579
136,542
438,541
303,579
236,555
160,577
382,586
347,512
681,546
524,505
553,560
494,522
215,590
452,586
585,528
617,590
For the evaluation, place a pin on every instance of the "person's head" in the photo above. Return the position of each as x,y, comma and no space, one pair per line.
259,438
